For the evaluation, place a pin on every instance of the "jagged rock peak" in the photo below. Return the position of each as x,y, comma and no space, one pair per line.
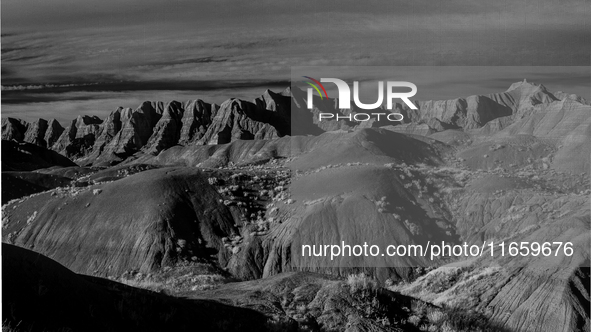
53,132
196,119
36,132
529,86
528,94
13,129
286,92
173,109
563,95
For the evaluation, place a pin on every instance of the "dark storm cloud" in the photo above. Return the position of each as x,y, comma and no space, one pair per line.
46,93
208,59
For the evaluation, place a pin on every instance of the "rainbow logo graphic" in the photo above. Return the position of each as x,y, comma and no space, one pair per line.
316,87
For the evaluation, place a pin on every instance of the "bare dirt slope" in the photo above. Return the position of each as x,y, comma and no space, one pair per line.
148,220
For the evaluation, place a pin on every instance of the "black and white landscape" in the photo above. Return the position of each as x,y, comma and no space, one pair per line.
161,171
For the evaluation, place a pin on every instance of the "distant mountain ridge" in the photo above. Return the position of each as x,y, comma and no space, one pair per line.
153,127
156,126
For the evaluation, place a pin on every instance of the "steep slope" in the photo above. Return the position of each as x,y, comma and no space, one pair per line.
166,132
265,118
565,125
196,119
39,286
40,132
13,129
78,138
111,228
555,136
42,295
36,132
130,131
53,132
552,120
532,292
346,203
574,150
27,157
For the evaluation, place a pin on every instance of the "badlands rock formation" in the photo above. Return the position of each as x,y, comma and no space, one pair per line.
526,108
137,231
204,196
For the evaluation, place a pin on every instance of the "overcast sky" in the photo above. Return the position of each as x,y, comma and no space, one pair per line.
61,58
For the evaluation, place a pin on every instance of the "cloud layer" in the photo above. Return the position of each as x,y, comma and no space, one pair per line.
116,45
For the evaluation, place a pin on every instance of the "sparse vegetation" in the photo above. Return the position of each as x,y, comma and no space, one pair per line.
413,228
190,276
382,204
361,282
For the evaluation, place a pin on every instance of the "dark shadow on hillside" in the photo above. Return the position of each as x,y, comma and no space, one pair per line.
27,157
41,295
